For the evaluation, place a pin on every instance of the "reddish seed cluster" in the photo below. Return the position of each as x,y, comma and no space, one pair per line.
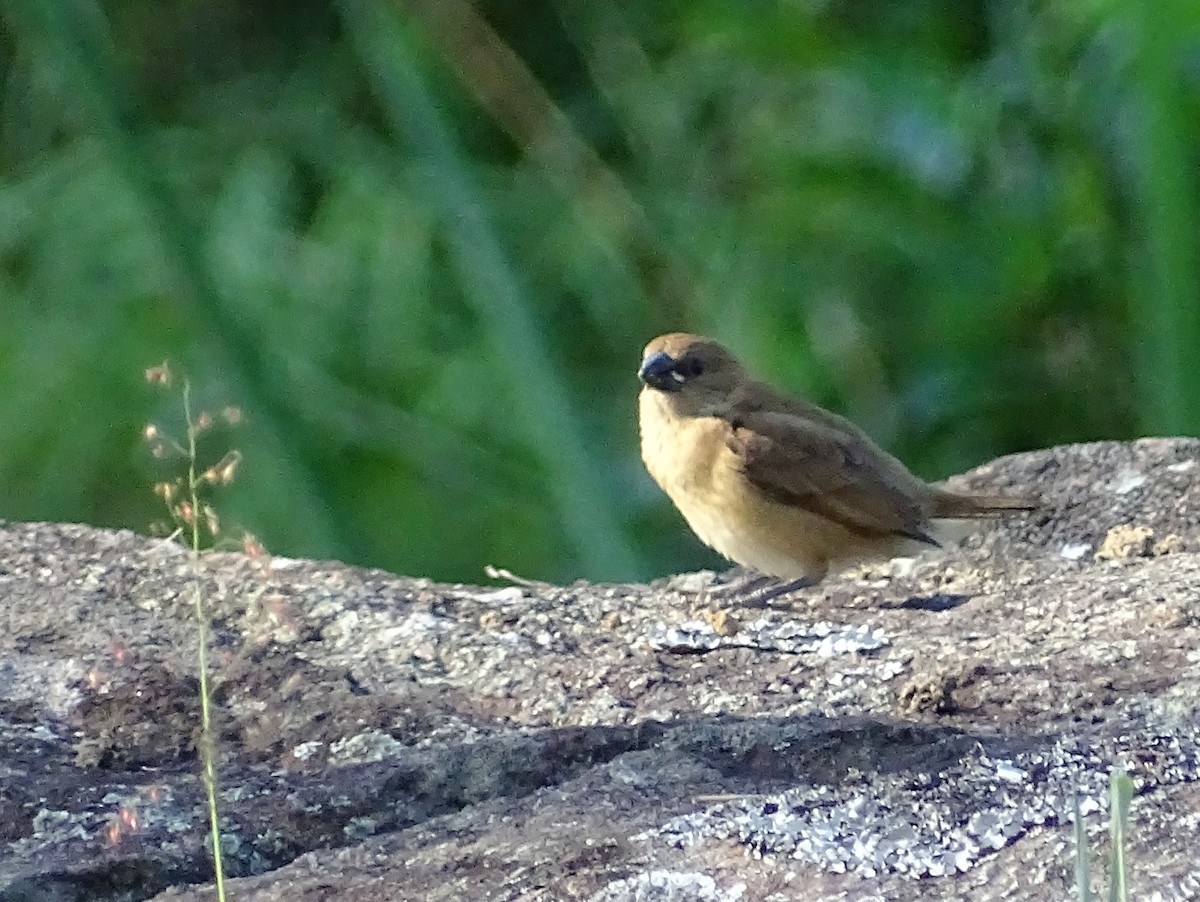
125,822
159,375
222,472
252,547
190,511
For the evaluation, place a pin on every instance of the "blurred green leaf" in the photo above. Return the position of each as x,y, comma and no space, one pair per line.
427,278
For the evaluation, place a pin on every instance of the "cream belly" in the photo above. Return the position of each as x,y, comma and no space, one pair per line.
778,551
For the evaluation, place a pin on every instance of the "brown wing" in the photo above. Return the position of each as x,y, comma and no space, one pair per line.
812,465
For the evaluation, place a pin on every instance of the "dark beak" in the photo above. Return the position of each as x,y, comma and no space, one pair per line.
658,371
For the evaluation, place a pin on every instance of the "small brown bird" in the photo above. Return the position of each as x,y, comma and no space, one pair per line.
775,483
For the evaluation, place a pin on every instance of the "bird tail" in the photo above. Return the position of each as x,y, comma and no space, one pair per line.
952,505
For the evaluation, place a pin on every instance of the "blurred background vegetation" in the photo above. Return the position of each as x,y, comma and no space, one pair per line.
422,244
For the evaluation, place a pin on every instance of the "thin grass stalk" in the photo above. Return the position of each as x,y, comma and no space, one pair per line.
207,741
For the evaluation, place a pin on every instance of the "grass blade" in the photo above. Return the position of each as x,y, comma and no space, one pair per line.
490,283
1083,875
1120,795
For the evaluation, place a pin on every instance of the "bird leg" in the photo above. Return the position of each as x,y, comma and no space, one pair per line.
755,590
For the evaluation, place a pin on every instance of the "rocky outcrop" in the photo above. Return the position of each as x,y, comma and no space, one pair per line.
914,730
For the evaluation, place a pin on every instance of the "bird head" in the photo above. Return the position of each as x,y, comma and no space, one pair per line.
693,371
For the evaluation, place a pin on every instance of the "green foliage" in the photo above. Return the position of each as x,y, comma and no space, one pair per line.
421,245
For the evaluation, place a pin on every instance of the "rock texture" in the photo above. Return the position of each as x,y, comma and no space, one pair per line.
914,730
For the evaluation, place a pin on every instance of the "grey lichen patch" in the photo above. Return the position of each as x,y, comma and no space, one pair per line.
1074,551
50,822
358,828
670,886
1127,480
823,639
373,745
935,824
306,750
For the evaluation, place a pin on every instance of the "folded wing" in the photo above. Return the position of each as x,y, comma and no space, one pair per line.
797,461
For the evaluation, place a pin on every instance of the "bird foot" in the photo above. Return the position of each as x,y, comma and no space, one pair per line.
752,589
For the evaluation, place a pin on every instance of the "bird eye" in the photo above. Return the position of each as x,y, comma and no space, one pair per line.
691,367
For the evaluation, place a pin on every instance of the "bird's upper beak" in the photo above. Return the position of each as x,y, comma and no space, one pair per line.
658,371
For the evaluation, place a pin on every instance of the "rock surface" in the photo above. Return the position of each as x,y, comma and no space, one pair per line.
912,730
